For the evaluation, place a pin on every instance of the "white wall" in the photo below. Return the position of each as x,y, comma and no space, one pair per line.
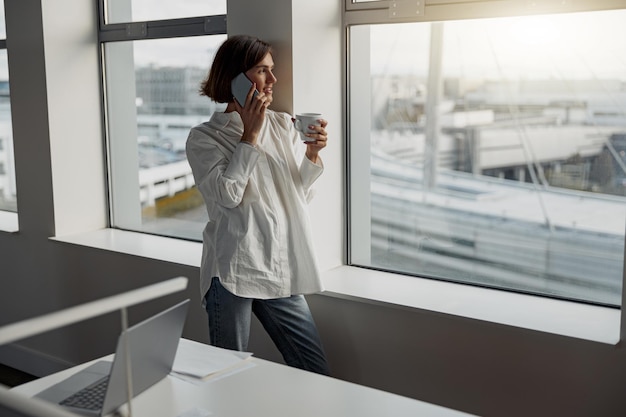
475,366
306,38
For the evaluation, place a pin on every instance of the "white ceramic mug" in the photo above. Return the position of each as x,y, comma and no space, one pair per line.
302,123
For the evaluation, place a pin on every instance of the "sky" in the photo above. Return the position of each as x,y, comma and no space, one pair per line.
169,9
577,45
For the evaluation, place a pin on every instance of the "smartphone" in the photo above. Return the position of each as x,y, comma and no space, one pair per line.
240,87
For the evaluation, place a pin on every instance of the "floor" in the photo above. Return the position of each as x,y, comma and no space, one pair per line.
12,377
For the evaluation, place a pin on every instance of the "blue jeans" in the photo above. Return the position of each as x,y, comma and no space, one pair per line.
288,321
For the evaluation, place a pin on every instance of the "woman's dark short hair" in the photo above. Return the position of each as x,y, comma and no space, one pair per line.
237,54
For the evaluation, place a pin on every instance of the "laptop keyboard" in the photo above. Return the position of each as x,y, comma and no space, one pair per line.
89,398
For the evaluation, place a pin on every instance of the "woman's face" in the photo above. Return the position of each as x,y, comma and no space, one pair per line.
262,75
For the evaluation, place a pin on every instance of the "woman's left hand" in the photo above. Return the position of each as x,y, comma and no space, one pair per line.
318,140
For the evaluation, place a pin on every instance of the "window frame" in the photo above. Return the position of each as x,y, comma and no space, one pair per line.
380,12
556,318
123,189
8,217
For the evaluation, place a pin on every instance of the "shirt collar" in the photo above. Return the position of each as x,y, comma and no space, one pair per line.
228,121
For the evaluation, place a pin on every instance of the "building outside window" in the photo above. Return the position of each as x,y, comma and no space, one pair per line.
8,193
489,151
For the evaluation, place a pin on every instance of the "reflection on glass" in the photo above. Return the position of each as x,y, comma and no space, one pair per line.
164,104
498,152
8,200
119,11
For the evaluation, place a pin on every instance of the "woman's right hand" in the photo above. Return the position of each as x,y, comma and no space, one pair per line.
253,114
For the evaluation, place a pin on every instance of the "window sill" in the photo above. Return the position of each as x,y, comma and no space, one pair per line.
570,319
8,222
139,244
565,318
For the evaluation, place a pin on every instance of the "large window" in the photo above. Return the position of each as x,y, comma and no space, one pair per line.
152,74
490,151
8,193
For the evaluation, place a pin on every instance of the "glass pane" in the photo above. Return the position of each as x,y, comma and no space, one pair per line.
7,168
8,200
3,29
153,101
495,152
119,11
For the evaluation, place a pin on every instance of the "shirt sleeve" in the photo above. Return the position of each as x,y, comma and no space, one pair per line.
220,179
310,172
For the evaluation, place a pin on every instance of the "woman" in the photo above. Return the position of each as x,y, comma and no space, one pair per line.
255,176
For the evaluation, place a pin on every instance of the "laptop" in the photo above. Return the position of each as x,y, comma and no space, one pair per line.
101,388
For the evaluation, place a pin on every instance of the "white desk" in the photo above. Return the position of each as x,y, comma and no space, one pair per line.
265,389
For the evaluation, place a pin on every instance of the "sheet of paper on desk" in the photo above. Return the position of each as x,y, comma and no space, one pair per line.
198,360
195,412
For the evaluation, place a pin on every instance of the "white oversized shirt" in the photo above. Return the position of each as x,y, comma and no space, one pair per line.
258,238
